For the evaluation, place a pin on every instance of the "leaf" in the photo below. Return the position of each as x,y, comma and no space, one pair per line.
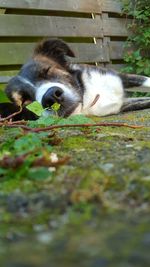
27,143
36,108
2,171
53,120
55,107
3,97
75,119
46,121
39,173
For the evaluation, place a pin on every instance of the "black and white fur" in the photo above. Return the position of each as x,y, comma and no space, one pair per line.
49,77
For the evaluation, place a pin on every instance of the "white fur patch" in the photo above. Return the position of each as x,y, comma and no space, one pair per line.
147,83
78,109
111,92
42,89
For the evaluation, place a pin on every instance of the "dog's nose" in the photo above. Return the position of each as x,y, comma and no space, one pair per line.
53,95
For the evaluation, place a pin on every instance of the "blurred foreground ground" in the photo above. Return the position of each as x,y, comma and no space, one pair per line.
92,212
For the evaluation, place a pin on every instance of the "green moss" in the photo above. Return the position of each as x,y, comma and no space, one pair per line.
85,210
75,142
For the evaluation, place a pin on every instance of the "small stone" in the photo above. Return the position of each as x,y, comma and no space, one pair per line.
129,145
45,237
107,166
53,157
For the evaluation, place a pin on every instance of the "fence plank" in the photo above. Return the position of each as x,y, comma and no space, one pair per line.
18,53
117,67
85,6
4,79
17,25
90,53
116,27
117,50
15,53
113,6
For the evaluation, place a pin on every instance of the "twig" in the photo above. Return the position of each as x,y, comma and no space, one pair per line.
22,122
52,127
12,115
48,163
13,123
15,162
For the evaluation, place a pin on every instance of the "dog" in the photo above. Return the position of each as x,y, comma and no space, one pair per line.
49,77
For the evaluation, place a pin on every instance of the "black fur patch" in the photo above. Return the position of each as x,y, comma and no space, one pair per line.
7,109
132,80
77,75
25,91
132,104
55,49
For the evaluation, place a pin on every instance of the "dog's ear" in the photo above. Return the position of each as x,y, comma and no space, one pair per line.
55,49
18,91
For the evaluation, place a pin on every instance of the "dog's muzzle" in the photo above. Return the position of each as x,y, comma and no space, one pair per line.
53,95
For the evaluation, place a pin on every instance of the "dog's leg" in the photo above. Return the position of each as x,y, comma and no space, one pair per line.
137,103
133,80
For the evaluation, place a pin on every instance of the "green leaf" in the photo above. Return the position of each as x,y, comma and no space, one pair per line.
39,173
36,108
46,121
27,143
75,119
3,97
55,107
2,171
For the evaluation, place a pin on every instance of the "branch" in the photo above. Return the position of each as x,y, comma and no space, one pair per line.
12,115
15,162
52,127
48,163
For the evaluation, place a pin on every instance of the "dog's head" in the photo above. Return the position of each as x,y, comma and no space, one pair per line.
47,78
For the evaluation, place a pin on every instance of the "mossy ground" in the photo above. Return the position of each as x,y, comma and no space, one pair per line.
93,211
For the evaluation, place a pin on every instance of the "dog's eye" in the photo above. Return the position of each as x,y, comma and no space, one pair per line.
47,70
44,72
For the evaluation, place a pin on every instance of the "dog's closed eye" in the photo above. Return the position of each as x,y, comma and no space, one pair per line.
44,72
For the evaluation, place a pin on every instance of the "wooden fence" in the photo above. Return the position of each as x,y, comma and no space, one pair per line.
94,28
